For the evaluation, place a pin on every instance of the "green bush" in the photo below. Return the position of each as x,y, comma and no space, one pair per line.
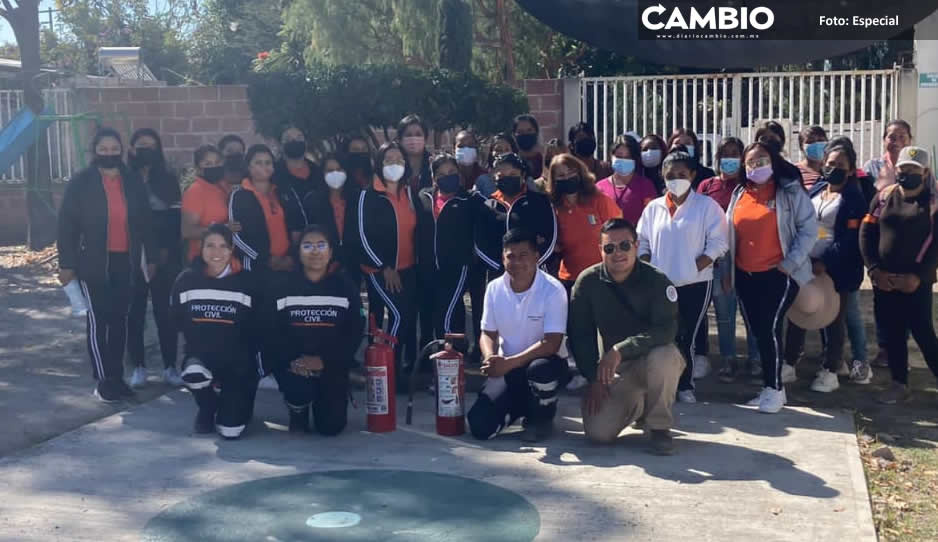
326,101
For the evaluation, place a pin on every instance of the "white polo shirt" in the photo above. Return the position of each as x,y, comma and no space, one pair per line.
522,319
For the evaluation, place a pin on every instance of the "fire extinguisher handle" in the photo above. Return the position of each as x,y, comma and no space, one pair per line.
454,336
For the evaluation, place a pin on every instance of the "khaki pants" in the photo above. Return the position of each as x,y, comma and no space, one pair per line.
646,388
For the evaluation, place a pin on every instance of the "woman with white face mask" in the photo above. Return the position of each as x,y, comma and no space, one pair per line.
772,229
334,211
653,151
412,135
682,233
387,223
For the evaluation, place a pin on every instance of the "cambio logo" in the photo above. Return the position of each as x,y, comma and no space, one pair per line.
723,18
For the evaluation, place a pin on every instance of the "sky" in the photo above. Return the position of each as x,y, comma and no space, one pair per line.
6,33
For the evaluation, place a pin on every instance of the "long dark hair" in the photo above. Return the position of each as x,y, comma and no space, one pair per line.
779,165
161,182
350,189
214,229
379,161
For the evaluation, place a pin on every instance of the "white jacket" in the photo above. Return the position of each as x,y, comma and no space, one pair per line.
698,228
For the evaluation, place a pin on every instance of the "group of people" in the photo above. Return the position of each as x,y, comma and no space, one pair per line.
553,245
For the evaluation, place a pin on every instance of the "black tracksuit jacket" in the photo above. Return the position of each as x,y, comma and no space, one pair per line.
315,319
377,227
532,211
83,218
447,240
166,218
253,241
319,211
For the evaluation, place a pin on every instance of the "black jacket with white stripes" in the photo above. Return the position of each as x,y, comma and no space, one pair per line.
311,318
377,227
217,316
446,240
253,241
532,211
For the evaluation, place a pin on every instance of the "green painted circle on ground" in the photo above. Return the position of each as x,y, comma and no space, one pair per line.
351,505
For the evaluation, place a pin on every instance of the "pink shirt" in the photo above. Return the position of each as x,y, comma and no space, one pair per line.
718,189
631,199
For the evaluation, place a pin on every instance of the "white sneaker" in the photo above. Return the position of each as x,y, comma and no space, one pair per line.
788,374
772,400
138,378
761,398
268,383
686,396
825,382
860,372
757,399
701,367
171,377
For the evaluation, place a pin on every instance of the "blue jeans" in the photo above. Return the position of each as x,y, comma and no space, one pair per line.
855,329
724,303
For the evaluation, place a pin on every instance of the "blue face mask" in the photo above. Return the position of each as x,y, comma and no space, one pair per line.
729,165
815,151
623,166
690,150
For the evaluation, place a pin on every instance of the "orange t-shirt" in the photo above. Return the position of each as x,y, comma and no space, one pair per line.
207,201
758,247
117,240
301,171
338,211
578,230
275,219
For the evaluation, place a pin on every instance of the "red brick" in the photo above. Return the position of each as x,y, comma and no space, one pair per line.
115,95
203,93
187,141
101,107
174,126
540,86
144,94
219,109
189,109
233,92
137,123
237,125
547,118
139,109
159,109
242,109
89,95
205,125
174,94
551,102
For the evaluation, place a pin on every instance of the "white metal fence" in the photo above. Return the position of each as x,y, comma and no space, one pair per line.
63,158
857,104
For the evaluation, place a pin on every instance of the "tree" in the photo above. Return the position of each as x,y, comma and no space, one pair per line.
455,35
229,36
23,16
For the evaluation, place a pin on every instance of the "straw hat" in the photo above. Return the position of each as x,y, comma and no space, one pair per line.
817,304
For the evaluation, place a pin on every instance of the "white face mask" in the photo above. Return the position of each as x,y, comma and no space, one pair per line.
335,179
466,156
677,187
651,158
393,173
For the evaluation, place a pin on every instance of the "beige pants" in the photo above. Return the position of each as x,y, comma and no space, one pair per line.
645,389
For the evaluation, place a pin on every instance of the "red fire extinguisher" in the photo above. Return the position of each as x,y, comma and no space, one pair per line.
379,371
450,376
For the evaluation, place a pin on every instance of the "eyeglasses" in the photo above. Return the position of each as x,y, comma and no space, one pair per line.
624,246
319,246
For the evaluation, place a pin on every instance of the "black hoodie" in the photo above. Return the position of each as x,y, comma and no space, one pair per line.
447,240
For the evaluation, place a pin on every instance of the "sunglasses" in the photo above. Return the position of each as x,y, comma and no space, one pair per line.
624,246
319,246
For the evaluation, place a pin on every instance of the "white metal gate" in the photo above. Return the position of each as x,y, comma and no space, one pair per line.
857,104
63,157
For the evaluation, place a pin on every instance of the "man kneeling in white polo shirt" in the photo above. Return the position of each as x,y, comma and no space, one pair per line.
524,319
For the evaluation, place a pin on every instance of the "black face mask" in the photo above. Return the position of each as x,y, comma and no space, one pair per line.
835,176
568,186
143,157
526,141
213,174
509,186
449,184
234,163
909,181
294,149
585,147
111,161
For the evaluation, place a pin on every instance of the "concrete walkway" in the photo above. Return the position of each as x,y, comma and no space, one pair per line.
738,475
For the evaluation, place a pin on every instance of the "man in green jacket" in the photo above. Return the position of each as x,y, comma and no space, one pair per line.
633,306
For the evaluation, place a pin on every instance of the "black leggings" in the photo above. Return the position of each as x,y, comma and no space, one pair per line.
765,299
158,291
108,303
692,303
899,313
402,312
327,393
833,338
232,401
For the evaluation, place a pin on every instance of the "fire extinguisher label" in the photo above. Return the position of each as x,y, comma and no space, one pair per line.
448,403
377,390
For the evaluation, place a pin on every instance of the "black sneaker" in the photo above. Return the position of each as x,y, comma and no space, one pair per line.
661,442
107,392
299,420
204,422
125,391
729,370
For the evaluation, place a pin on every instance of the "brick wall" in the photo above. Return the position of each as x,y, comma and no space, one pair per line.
545,98
185,117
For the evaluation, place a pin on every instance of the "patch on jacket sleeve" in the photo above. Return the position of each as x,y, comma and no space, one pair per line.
671,293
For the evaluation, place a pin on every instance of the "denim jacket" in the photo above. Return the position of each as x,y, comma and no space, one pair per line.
797,229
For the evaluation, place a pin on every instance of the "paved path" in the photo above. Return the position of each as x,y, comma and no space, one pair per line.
738,475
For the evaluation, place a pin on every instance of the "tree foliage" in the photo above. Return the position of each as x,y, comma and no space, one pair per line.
455,35
327,101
